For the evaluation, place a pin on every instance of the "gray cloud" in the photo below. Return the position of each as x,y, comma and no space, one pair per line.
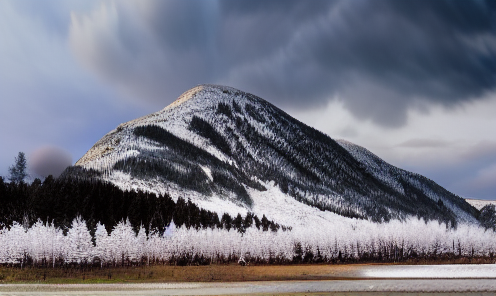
45,97
484,151
380,56
424,143
483,183
49,160
470,171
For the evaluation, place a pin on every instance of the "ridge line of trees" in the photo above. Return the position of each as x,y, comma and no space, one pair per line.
60,201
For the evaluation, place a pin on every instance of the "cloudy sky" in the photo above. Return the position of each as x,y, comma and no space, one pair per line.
412,81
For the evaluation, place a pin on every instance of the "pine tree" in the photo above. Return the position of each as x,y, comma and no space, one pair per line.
18,170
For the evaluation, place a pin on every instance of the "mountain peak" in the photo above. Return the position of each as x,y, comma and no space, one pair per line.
201,92
187,95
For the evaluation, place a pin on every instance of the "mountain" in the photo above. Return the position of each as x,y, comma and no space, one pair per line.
231,151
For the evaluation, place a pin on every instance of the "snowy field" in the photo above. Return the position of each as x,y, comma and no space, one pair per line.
461,271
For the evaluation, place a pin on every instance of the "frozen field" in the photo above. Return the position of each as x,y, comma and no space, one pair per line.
365,280
461,271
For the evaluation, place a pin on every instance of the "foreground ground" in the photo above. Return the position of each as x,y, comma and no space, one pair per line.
469,279
165,273
328,287
225,273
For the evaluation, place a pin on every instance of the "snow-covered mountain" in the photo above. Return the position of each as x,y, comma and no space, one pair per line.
230,151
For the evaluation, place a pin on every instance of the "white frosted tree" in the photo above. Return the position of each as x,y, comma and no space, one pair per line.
40,245
3,242
58,243
102,249
80,247
14,244
141,245
156,246
45,243
122,242
349,238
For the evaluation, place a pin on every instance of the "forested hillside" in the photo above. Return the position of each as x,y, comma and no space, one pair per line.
60,201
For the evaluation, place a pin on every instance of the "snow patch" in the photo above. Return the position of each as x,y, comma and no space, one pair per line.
208,172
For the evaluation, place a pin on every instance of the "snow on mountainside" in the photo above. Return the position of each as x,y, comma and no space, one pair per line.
480,203
396,178
230,151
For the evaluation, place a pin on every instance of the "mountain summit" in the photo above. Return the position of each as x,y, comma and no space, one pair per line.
231,151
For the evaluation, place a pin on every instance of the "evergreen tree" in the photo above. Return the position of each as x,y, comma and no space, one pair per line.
487,216
18,170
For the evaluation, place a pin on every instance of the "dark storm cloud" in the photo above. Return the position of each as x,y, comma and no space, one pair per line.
381,57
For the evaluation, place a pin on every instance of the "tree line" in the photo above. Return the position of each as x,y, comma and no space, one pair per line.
59,201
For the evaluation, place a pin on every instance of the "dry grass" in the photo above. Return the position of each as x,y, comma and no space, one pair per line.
209,273
159,273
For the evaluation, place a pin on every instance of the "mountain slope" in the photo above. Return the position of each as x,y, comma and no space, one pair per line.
217,143
409,183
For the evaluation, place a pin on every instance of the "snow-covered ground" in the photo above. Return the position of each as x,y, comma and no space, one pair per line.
480,203
460,271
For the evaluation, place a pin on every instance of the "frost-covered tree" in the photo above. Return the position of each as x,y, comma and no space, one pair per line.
40,247
141,247
102,249
346,239
45,244
80,247
17,172
14,244
123,242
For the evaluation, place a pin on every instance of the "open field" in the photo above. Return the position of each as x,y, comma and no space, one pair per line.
358,279
209,273
160,273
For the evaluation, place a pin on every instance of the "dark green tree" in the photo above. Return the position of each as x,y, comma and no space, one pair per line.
487,216
17,172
